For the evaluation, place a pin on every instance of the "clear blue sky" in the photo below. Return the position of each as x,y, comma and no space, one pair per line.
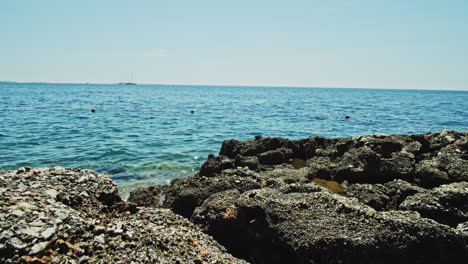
408,44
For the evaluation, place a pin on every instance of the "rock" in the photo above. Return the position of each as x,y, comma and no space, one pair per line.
31,231
183,196
366,199
462,228
250,162
383,197
446,204
72,227
39,247
15,243
429,174
373,195
46,234
52,193
100,239
321,227
276,156
216,165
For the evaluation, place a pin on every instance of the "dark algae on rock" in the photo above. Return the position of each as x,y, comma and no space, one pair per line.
63,215
367,199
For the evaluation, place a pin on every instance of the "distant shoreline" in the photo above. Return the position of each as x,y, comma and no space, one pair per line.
244,86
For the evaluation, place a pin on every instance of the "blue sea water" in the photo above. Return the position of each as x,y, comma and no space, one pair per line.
147,134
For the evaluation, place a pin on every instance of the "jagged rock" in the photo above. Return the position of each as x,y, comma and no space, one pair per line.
374,195
276,156
367,199
428,173
216,165
183,195
251,162
321,227
462,228
446,204
383,197
94,228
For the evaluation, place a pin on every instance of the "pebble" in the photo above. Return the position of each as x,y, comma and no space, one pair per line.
17,243
26,205
17,212
37,223
39,247
52,193
99,228
31,231
100,239
46,234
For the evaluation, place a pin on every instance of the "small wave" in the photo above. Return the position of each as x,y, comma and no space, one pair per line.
454,123
111,171
34,143
112,153
124,176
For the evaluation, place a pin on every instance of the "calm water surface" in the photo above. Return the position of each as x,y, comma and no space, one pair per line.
146,134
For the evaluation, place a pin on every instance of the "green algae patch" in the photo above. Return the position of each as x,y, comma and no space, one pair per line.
332,186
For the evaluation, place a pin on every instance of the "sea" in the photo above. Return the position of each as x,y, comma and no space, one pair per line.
141,135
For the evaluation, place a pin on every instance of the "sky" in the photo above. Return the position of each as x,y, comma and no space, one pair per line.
401,44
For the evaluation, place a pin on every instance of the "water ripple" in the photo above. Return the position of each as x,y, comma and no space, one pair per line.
149,131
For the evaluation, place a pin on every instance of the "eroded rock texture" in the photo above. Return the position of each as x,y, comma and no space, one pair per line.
368,199
63,215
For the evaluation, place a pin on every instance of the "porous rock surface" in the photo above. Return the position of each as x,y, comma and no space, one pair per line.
367,199
63,215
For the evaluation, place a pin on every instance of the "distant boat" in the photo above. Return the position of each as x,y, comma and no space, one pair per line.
128,81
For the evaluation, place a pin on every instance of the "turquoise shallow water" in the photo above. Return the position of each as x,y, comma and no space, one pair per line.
146,133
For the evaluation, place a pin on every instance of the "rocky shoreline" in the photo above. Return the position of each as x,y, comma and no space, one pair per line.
368,199
63,215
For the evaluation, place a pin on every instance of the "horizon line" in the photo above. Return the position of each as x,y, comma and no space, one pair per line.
230,85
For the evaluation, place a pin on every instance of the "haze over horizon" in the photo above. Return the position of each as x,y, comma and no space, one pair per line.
338,43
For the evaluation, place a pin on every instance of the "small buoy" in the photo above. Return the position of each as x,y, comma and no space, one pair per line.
93,110
347,116
192,111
